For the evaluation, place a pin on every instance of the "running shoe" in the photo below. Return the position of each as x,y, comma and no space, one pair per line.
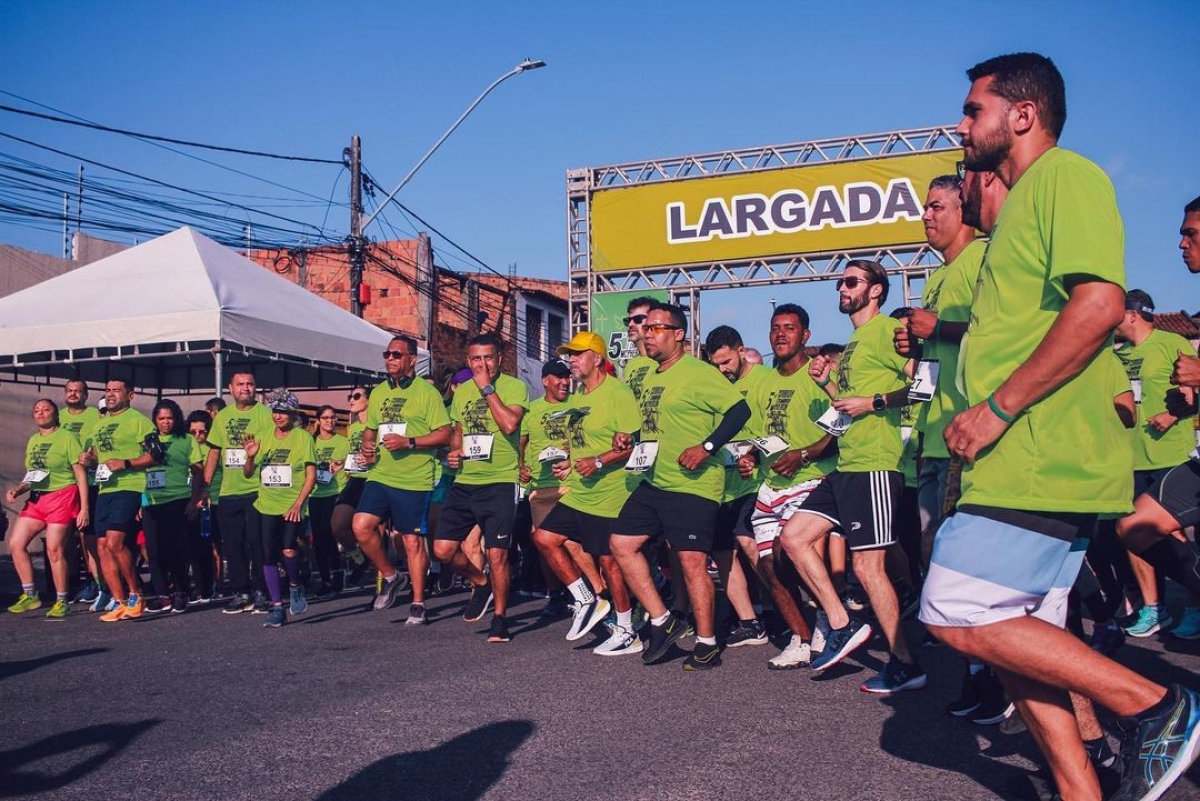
179,604
102,601
1150,620
1158,749
994,706
87,593
134,606
556,605
481,601
261,605
60,610
242,602
26,603
586,616
1188,627
112,604
797,654
114,614
1107,638
855,599
894,678
297,601
971,695
662,638
276,617
1013,724
840,643
324,592
820,632
622,641
498,631
385,598
703,657
747,633
417,615
156,604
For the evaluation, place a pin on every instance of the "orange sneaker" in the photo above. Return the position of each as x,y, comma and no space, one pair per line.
134,606
116,614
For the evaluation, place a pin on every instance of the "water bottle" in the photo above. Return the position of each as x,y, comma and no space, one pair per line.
205,522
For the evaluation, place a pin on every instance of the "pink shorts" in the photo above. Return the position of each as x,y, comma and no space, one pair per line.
60,507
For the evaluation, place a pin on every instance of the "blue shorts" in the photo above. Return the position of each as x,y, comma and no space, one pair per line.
116,511
404,508
985,571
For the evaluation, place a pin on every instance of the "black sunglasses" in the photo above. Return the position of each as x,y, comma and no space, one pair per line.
395,354
355,396
656,327
851,282
961,169
636,319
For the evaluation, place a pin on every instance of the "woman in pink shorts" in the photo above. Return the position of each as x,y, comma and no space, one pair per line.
58,498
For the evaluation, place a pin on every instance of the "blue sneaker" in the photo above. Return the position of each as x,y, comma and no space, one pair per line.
1150,620
1156,750
894,678
1188,627
89,593
840,643
276,617
102,603
298,601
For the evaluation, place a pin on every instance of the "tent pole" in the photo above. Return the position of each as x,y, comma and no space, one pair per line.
218,369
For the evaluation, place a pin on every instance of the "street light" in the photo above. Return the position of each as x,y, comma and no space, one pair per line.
524,66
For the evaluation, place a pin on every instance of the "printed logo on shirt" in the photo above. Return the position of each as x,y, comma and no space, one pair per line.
475,415
37,457
636,378
391,410
650,401
843,378
235,430
777,412
104,437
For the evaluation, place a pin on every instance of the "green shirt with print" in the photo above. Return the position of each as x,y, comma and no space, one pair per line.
948,295
635,373
329,450
870,366
214,489
596,416
1068,452
681,407
169,481
120,436
279,489
546,426
354,433
410,408
229,430
735,485
470,410
1149,367
81,424
910,442
54,453
790,406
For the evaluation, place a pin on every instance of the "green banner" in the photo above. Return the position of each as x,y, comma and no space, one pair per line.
607,314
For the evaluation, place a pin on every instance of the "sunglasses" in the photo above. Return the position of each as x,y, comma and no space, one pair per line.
961,169
355,396
851,282
636,319
655,328
396,354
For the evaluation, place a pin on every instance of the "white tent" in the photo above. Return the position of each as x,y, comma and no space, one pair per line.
178,313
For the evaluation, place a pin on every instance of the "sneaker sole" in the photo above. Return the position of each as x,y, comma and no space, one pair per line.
860,638
962,713
499,639
635,648
752,641
917,683
693,666
793,666
992,720
1187,754
599,612
413,621
484,611
1187,635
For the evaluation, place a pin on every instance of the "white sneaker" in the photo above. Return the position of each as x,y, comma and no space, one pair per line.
796,655
623,641
586,616
819,632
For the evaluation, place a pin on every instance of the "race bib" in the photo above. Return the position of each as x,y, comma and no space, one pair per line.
102,473
553,454
354,464
477,447
925,380
34,476
732,451
1136,383
324,476
642,458
235,457
277,475
399,429
770,445
156,479
834,422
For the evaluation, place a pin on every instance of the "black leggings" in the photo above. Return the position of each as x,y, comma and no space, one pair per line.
243,541
325,549
200,551
278,535
166,544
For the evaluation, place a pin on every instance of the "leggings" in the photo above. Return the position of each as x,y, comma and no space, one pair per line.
166,545
325,548
243,541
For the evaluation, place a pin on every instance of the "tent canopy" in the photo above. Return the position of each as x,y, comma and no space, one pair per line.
181,312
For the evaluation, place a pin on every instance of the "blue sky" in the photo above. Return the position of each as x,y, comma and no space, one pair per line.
625,81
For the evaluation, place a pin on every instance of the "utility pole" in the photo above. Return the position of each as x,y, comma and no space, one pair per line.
66,224
357,241
427,277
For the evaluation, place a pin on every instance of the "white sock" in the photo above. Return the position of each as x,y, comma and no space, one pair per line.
625,619
706,640
580,592
660,621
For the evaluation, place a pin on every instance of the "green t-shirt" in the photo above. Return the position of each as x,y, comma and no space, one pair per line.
1067,452
870,366
81,424
635,373
279,488
735,485
598,415
680,408
1149,366
214,489
354,432
546,426
120,436
790,406
329,450
948,295
909,441
470,410
229,429
54,453
415,409
170,481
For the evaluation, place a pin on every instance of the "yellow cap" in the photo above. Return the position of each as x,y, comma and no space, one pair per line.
583,340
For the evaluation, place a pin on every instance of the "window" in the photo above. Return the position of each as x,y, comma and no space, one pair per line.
533,332
555,332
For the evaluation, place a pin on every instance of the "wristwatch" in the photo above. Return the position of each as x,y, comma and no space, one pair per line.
599,463
709,447
412,443
128,465
878,403
804,460
487,390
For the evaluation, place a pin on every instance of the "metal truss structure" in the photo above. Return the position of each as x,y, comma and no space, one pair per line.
686,281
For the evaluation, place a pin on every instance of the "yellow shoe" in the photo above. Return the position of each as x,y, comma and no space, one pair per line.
116,614
26,603
134,606
59,610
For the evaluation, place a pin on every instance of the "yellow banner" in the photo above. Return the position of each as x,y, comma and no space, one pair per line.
809,209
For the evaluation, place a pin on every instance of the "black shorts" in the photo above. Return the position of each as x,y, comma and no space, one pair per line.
117,511
279,535
406,509
492,507
1178,491
590,531
685,521
352,492
733,521
1143,480
860,505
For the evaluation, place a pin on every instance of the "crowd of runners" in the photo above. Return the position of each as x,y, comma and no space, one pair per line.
1013,454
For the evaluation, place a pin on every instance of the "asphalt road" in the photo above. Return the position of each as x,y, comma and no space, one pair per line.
344,703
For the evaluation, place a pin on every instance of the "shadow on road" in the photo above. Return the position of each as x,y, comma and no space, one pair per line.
461,769
58,768
16,668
